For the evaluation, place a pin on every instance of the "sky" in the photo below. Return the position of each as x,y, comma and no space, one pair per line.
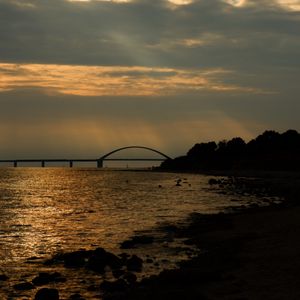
81,78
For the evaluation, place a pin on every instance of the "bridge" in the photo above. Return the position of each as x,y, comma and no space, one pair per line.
99,161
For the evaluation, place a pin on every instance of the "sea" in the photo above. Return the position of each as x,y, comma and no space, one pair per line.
45,211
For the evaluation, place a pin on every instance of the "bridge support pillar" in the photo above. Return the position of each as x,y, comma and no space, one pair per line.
15,164
71,163
43,164
99,163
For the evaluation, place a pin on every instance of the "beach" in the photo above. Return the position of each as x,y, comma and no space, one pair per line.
251,254
247,252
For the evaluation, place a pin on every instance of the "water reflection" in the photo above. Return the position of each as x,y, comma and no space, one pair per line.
46,210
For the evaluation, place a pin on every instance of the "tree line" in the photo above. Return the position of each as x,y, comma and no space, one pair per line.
268,151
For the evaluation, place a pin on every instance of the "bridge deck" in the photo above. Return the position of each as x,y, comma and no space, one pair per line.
80,160
98,161
71,161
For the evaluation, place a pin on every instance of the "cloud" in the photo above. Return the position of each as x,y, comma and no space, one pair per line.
118,81
79,76
143,32
255,39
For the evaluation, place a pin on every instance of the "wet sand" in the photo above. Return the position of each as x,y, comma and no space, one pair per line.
252,254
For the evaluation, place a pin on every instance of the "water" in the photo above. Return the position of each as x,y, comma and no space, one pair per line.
49,210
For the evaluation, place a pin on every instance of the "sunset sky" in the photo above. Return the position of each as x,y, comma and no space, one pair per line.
80,78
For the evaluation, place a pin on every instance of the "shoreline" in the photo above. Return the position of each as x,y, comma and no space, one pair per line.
242,254
249,254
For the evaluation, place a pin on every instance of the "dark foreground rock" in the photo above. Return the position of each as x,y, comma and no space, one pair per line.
76,296
76,258
101,258
120,285
47,294
136,241
96,260
130,278
3,277
24,286
45,278
134,264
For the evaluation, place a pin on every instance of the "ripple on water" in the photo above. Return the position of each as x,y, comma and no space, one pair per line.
50,210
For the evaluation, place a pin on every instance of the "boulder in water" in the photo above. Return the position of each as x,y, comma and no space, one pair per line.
3,277
119,285
134,263
47,294
24,286
45,278
137,240
101,258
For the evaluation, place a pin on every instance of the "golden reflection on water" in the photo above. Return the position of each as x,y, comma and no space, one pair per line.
48,210
53,209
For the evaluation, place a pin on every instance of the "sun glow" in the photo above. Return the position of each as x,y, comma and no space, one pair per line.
290,4
118,1
287,4
236,3
176,2
181,2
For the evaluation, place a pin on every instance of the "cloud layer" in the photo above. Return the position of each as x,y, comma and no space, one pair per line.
117,81
163,73
149,33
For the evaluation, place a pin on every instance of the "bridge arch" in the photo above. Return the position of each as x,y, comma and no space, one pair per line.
135,147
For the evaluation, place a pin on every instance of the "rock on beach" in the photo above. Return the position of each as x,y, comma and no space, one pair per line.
47,294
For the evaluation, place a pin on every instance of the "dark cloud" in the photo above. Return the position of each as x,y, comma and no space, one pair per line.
143,33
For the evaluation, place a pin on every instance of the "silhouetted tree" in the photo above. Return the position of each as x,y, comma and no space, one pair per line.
236,146
268,151
202,150
266,142
290,141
